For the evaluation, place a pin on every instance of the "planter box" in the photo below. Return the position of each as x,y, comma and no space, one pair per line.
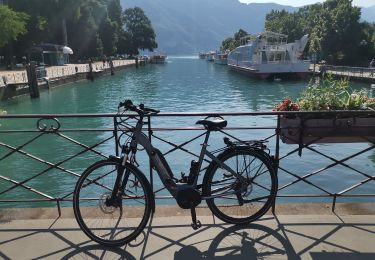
300,130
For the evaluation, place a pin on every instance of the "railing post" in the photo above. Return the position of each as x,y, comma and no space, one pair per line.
277,156
116,135
58,207
334,202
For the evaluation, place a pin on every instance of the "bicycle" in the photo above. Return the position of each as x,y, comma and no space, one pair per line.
113,199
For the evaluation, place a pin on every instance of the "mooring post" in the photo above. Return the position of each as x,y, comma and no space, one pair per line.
136,62
32,80
90,74
111,67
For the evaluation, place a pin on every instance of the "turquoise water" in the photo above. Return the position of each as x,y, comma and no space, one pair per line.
184,84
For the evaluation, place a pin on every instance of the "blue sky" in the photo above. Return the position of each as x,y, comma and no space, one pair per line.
362,3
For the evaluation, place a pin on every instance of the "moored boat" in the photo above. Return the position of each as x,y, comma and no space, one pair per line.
144,59
210,56
268,55
202,55
221,58
158,59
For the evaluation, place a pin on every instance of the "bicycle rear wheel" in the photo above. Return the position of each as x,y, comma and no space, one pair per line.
233,201
112,224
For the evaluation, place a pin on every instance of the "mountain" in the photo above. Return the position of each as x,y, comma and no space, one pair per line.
190,26
368,14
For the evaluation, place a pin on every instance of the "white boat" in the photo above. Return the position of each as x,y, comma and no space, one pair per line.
210,56
221,58
268,55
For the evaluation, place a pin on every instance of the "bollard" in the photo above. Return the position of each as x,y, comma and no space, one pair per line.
111,68
32,80
90,74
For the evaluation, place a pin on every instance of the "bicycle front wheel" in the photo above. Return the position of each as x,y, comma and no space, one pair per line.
235,201
112,224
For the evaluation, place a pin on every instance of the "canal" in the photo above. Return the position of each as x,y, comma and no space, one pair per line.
183,84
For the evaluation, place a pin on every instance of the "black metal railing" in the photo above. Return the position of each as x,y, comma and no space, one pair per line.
359,72
42,156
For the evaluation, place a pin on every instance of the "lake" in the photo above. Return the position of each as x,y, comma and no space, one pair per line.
183,84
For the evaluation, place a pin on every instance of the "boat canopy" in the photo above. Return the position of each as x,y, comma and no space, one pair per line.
271,38
67,50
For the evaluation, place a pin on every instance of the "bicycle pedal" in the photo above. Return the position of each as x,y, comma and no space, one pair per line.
196,225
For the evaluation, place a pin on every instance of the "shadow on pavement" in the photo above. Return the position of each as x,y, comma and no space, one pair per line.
270,238
253,241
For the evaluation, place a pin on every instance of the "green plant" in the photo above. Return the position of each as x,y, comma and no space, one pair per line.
328,94
325,94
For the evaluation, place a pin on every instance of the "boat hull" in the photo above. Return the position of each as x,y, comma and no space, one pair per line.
221,61
157,61
290,71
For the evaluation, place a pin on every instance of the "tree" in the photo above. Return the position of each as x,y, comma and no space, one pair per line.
227,45
85,38
285,23
334,30
231,43
13,24
109,36
138,34
92,27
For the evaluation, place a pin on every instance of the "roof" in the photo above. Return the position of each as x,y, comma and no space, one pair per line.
50,48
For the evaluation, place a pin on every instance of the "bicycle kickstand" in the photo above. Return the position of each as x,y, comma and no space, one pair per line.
196,223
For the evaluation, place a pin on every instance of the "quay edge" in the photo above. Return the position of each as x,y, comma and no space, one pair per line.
19,89
9,214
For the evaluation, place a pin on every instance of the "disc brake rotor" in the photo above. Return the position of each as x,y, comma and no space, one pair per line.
103,203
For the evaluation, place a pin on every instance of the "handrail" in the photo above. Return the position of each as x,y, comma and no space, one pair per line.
110,134
188,114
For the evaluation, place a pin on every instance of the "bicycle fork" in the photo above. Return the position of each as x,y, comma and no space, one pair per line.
121,179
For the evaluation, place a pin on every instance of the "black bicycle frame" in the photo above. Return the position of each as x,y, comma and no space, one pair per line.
161,165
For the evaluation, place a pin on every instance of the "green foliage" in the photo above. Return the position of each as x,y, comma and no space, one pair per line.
227,45
284,22
12,25
139,33
94,27
330,94
231,43
334,29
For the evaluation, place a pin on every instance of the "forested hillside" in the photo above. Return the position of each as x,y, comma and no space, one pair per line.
190,26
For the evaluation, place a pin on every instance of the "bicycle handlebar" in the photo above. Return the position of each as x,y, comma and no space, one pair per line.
141,109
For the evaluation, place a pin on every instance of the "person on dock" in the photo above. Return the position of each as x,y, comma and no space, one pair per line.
372,63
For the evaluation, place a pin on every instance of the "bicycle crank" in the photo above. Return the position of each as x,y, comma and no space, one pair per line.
196,223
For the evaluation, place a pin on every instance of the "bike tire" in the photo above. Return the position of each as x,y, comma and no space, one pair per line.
220,205
96,182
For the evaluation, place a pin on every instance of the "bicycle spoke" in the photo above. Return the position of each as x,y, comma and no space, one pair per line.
109,218
248,199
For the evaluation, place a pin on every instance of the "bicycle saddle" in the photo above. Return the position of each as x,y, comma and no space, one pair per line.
212,124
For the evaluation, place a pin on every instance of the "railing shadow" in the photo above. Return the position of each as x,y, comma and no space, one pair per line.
277,237
253,241
98,252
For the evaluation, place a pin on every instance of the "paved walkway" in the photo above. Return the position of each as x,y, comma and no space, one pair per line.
280,237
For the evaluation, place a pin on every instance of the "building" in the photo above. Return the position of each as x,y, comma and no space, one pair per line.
50,54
